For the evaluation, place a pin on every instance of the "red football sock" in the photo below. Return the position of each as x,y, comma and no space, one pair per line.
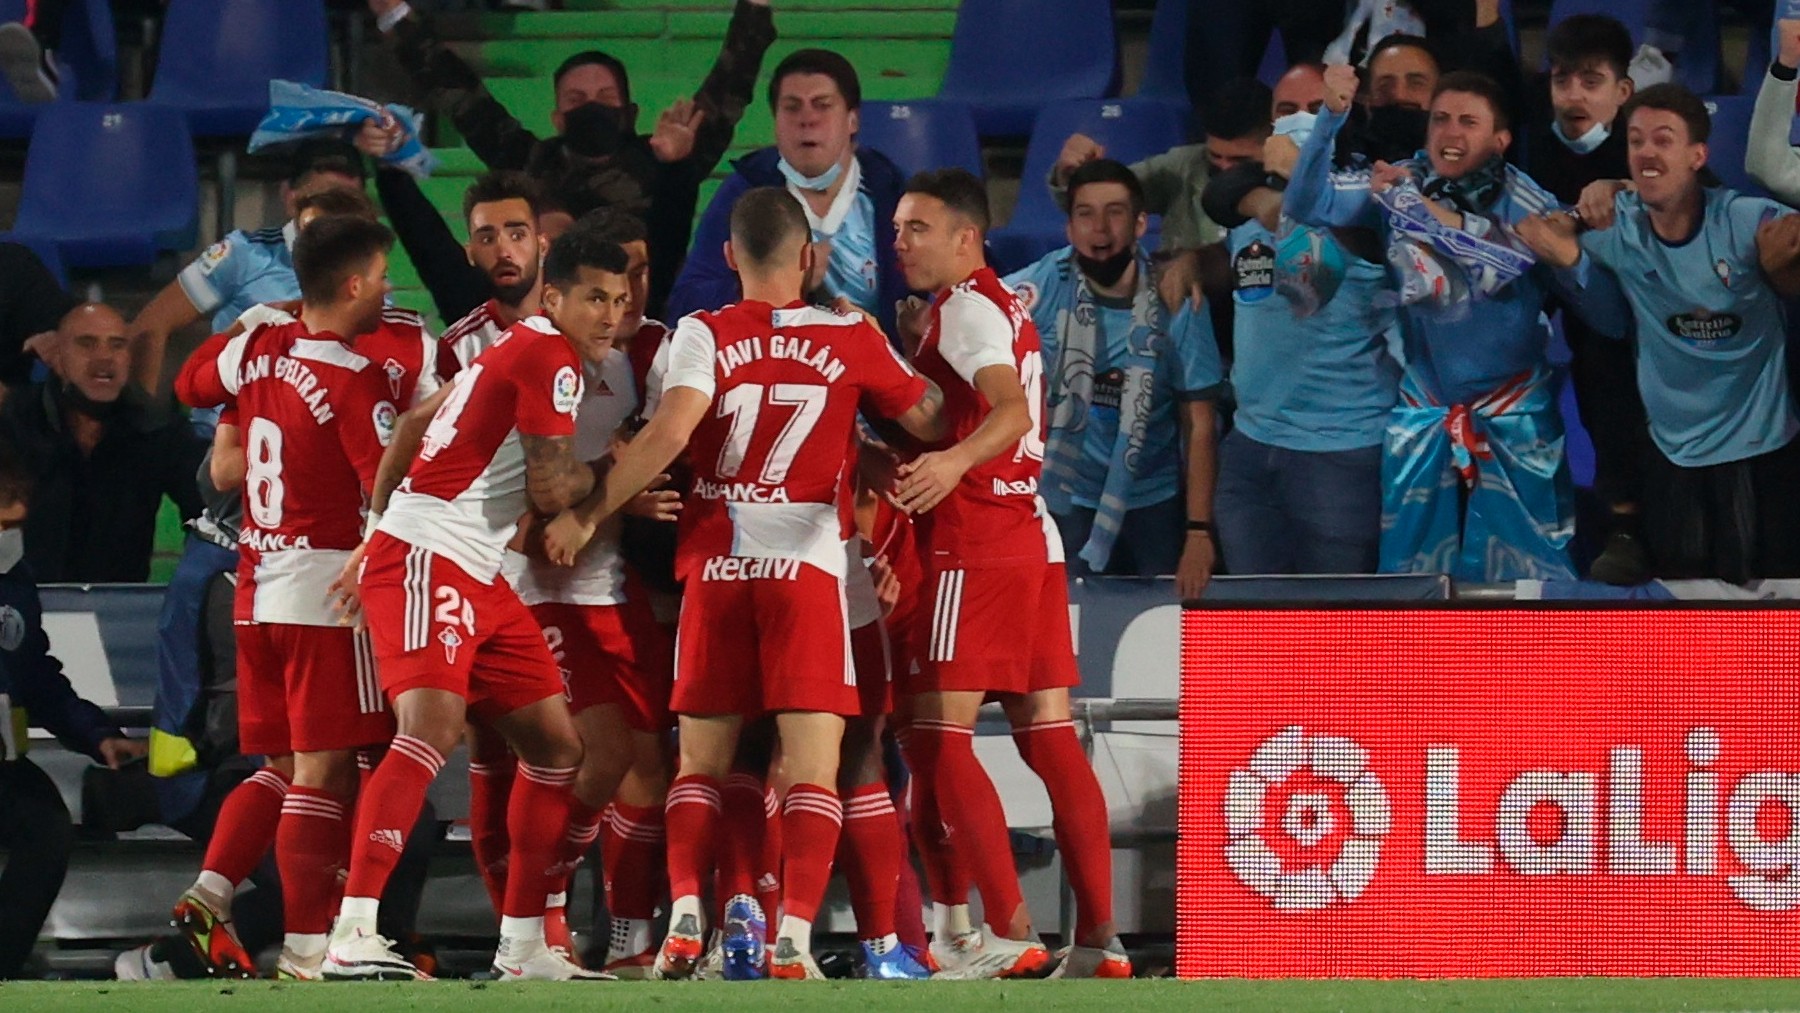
946,875
743,818
537,820
969,807
1078,809
633,856
389,808
583,830
311,848
909,903
811,818
693,826
770,875
871,853
246,825
490,788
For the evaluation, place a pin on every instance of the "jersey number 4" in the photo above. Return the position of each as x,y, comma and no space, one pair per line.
744,406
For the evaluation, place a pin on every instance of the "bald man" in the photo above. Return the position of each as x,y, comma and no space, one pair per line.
102,454
1300,90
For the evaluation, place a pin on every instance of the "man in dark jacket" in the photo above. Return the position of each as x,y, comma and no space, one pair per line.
598,158
34,823
849,194
102,453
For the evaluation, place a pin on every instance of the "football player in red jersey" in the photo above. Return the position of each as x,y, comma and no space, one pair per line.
763,395
996,602
452,639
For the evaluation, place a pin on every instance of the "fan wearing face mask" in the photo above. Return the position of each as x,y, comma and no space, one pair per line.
598,158
1127,376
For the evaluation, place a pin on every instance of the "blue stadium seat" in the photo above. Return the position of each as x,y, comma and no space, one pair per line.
922,134
110,185
217,58
1129,129
1011,58
1730,140
1165,69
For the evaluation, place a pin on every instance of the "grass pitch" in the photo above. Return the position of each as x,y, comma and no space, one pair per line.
1575,995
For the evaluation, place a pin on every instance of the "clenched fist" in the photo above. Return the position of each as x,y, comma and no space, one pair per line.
1341,83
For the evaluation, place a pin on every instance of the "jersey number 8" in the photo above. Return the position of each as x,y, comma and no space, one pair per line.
265,488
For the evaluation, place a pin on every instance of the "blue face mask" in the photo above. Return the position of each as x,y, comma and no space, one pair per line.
1585,144
818,184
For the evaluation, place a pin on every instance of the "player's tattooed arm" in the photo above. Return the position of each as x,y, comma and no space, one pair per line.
555,479
924,421
634,467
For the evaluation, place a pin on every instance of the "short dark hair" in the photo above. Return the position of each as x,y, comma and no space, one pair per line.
763,221
504,184
333,248
325,154
1583,40
337,200
615,225
1105,170
16,478
960,190
818,61
1238,109
1468,82
1401,40
1678,100
594,58
579,248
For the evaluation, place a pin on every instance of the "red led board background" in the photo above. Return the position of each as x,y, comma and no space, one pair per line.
1489,792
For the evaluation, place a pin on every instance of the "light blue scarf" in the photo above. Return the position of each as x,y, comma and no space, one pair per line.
1070,394
299,111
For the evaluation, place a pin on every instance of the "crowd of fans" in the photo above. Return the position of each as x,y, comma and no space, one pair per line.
1335,359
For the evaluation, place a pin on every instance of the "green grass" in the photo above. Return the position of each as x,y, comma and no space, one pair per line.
1575,995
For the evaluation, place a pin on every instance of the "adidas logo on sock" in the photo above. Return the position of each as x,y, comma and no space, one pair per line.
391,838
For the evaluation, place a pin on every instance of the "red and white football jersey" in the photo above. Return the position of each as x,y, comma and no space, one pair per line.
464,494
405,353
770,458
316,417
994,515
462,341
609,397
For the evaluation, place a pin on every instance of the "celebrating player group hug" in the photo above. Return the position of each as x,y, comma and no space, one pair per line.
435,549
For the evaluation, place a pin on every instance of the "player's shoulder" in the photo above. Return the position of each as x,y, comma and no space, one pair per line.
273,236
327,352
402,319
477,319
815,316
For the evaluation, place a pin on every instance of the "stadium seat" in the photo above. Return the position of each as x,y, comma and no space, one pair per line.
1730,141
1129,129
110,185
1165,68
217,58
1011,58
927,134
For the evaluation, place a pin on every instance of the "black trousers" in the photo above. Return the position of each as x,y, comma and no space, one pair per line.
1604,372
36,832
1732,521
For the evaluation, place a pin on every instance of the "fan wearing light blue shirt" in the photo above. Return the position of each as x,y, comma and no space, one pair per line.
244,269
1129,386
1705,269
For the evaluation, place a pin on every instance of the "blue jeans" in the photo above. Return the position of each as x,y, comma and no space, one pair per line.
1297,511
1149,542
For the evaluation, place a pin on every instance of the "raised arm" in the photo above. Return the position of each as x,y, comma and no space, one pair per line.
1316,194
1769,158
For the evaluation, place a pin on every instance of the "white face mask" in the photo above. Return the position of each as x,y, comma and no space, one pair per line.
1585,144
12,548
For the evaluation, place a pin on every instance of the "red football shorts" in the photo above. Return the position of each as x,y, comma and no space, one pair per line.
763,635
261,694
612,654
1000,629
871,650
333,695
436,627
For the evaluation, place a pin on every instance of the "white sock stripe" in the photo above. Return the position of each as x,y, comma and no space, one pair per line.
554,777
883,806
271,780
832,813
312,805
644,838
1046,726
692,794
771,803
420,752
829,798
948,727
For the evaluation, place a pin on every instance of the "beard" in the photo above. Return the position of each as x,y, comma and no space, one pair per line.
514,293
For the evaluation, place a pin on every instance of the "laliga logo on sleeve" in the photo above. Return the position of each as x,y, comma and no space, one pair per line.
565,390
1305,818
